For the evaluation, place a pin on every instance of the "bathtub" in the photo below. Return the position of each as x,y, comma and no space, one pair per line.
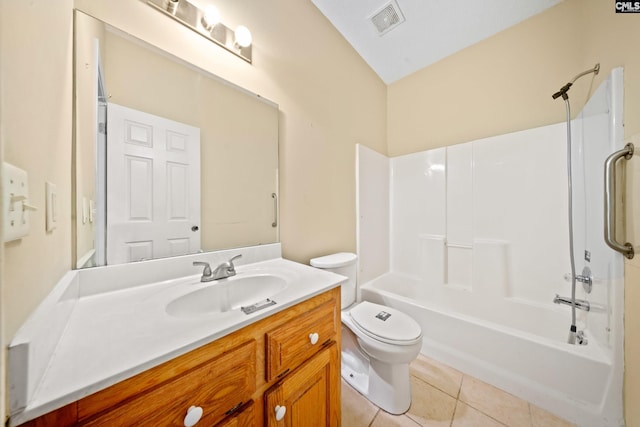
514,345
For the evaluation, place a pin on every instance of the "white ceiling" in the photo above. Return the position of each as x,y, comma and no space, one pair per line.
432,30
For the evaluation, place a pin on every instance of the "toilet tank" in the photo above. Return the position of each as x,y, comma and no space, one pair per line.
345,264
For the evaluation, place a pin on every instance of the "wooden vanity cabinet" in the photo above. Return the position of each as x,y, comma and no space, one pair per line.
234,379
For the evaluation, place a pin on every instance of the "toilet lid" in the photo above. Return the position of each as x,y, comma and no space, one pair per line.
385,323
341,259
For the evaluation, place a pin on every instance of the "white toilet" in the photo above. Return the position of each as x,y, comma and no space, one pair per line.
378,342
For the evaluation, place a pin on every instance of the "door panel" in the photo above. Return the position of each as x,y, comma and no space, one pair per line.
153,186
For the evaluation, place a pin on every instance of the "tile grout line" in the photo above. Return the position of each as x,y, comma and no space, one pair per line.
453,416
441,391
374,417
416,422
488,415
460,386
434,386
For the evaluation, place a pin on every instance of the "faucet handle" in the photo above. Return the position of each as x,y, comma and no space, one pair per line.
232,268
207,268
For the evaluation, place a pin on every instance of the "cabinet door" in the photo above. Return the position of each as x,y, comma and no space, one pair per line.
310,395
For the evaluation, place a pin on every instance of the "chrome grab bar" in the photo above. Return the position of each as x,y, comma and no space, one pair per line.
610,201
274,196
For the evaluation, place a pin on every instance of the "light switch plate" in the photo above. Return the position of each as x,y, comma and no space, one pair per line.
15,201
52,206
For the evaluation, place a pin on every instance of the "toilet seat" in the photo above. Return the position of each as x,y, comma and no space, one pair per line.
385,324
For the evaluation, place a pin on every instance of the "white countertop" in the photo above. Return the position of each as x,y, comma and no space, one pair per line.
115,335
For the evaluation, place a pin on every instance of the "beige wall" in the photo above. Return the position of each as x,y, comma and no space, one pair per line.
505,83
329,100
35,134
502,84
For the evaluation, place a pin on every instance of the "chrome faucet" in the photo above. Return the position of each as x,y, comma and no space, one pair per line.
224,270
579,303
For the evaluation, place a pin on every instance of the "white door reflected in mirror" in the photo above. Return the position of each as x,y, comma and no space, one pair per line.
151,159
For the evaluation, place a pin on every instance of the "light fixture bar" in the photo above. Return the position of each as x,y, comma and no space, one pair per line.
193,18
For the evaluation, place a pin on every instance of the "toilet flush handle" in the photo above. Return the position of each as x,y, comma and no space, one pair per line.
314,338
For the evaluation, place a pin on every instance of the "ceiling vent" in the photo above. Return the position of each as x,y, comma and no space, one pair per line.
387,18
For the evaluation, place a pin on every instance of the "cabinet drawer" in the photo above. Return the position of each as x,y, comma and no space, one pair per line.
291,344
217,386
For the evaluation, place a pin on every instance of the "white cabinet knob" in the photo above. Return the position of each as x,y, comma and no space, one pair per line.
280,411
314,338
194,413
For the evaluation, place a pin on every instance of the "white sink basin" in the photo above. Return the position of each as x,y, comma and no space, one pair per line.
226,295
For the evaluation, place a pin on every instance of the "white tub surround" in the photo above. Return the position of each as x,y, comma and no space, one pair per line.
372,211
520,350
100,326
478,245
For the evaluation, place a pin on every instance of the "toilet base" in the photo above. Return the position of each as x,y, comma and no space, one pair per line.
387,386
392,398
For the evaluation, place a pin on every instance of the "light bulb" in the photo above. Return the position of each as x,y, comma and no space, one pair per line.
243,36
172,6
211,17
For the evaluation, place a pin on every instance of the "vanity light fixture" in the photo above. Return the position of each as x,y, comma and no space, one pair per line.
207,23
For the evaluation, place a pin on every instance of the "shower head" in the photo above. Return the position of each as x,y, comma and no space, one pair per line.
564,89
562,92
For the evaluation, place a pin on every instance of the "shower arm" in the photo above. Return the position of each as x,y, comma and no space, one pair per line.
564,89
595,70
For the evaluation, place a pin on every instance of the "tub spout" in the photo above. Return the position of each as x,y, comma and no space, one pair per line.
579,303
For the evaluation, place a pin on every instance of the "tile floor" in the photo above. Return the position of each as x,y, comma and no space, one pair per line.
445,397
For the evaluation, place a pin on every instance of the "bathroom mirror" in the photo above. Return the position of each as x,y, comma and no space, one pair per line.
169,159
